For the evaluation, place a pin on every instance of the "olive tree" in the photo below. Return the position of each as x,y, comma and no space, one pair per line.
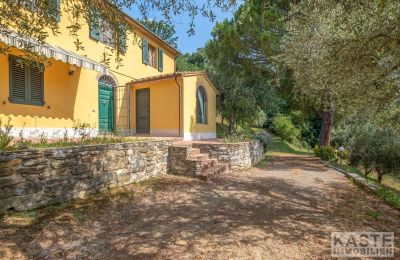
345,56
377,148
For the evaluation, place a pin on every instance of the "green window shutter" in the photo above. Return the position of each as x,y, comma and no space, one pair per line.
36,83
122,38
145,51
26,82
54,9
160,60
94,26
18,81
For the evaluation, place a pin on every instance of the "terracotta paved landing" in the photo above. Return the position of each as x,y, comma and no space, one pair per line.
284,211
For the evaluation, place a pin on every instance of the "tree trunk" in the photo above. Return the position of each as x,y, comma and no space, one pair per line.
380,177
232,126
326,128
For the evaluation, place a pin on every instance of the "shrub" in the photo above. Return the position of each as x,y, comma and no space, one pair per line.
326,153
5,134
266,140
285,129
377,148
344,155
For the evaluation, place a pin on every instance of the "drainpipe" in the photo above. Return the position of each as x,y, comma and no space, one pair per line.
180,105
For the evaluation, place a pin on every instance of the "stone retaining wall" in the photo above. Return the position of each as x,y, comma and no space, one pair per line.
178,163
239,156
36,178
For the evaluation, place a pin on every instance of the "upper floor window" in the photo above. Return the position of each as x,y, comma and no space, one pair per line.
152,56
52,7
201,106
102,31
26,82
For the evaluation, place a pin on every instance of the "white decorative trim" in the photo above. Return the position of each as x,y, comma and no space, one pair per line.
55,133
199,136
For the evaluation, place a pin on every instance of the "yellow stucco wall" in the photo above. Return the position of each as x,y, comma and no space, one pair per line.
70,98
164,107
132,59
67,98
189,107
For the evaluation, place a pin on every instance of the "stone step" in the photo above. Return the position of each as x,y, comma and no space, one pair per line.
194,150
214,172
209,163
199,157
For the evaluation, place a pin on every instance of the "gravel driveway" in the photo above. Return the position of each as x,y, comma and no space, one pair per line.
285,210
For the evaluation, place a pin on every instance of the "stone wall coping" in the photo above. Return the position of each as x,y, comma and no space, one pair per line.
83,146
223,143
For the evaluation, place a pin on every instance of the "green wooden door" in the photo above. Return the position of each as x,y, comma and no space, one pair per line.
106,108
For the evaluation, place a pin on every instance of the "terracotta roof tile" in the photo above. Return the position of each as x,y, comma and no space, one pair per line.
173,75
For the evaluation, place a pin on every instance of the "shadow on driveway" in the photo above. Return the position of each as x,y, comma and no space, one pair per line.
286,210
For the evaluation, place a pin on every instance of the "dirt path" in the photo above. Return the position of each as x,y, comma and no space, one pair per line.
284,211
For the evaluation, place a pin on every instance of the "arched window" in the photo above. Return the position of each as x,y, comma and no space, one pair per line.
107,79
201,106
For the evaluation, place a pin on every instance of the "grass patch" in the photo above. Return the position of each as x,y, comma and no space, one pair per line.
279,147
25,214
388,180
80,216
264,163
390,196
374,214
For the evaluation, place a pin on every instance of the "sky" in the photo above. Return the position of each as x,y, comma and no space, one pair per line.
186,43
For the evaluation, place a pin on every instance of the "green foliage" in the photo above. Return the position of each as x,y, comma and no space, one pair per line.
266,140
242,62
377,147
196,61
390,196
36,19
374,214
387,194
326,153
344,54
163,29
285,129
5,135
81,130
284,147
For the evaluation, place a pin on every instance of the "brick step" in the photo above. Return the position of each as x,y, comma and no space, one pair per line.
214,172
199,157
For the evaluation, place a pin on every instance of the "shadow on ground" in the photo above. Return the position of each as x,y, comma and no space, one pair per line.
284,211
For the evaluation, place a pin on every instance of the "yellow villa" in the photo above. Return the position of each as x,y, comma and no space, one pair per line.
145,96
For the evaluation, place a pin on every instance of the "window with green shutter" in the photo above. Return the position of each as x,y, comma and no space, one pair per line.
54,9
145,51
122,38
160,60
94,26
26,82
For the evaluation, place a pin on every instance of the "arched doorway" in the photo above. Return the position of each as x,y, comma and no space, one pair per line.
106,103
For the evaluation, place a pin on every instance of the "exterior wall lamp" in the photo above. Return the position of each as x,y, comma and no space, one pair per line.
72,69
